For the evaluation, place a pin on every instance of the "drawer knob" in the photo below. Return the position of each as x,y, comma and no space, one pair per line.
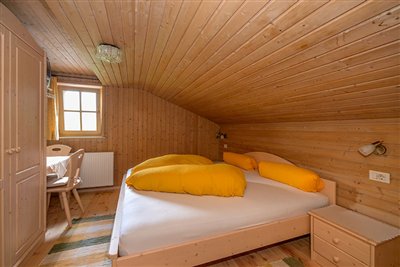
336,259
336,240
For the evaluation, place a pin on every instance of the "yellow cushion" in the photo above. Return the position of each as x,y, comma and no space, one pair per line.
217,179
240,160
171,159
300,178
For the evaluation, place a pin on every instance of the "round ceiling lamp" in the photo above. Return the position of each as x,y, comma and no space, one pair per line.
109,53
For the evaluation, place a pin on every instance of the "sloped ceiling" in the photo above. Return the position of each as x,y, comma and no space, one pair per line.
234,61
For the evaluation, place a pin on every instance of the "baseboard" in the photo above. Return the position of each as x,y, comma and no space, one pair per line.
99,189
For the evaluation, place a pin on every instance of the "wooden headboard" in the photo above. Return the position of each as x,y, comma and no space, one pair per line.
330,186
264,156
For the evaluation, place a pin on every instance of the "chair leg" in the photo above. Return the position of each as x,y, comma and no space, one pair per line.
61,201
48,200
66,208
78,199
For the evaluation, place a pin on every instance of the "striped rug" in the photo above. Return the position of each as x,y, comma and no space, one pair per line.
285,262
84,244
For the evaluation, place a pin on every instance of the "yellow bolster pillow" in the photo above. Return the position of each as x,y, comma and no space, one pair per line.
240,160
217,179
171,159
300,178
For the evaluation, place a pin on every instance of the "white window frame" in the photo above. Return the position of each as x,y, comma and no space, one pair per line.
99,114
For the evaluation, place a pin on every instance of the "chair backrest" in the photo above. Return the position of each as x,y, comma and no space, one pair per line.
74,167
58,150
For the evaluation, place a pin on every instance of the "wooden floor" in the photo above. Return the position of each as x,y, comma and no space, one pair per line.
103,203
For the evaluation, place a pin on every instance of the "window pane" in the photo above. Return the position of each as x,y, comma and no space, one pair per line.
89,122
72,121
71,100
89,101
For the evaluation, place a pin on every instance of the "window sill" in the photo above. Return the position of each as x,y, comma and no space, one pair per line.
83,137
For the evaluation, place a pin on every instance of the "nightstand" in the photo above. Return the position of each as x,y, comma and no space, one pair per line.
341,237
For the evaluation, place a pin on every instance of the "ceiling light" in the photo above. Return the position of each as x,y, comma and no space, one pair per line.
109,53
376,148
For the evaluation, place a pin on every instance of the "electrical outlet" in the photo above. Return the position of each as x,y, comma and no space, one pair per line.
382,177
225,146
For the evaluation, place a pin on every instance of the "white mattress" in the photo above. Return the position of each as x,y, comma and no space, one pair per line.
152,220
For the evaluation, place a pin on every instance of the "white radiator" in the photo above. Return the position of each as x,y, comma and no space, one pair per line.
97,169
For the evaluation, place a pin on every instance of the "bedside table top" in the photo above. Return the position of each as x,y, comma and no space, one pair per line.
365,227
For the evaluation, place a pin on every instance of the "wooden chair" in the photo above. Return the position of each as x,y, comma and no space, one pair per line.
68,183
58,150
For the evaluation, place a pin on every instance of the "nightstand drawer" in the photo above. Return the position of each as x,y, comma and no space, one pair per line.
342,240
335,255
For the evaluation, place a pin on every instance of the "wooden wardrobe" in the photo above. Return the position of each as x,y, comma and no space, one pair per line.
22,161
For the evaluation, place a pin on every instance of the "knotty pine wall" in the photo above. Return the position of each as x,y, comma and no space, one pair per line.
139,125
330,149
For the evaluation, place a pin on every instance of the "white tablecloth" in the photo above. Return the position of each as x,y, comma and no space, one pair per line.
57,164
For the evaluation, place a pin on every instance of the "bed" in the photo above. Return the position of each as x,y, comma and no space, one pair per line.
163,229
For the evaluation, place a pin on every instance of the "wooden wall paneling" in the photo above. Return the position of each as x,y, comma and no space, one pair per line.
170,16
201,18
337,42
350,89
330,149
349,82
88,29
233,26
65,23
130,134
156,15
142,9
249,90
342,70
114,18
63,55
128,17
216,23
240,42
303,45
226,60
184,18
139,125
386,48
349,42
287,36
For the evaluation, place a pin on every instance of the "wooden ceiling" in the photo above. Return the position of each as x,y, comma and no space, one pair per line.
234,61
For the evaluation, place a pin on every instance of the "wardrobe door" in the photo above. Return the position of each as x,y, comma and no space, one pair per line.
3,153
27,186
6,148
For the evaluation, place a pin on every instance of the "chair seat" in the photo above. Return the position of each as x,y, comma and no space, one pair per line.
67,184
61,185
55,181
51,176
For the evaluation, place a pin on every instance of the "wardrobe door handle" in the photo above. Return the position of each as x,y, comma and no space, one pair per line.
18,149
10,151
336,240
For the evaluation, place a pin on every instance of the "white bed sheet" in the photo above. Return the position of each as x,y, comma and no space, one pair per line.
153,220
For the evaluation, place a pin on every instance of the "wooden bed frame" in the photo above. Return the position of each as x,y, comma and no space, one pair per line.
219,246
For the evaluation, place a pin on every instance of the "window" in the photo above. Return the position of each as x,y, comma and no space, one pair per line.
80,110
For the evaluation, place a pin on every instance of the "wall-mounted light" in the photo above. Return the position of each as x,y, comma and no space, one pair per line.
376,147
221,135
109,53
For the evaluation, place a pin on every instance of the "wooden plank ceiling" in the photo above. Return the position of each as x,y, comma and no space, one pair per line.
234,61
